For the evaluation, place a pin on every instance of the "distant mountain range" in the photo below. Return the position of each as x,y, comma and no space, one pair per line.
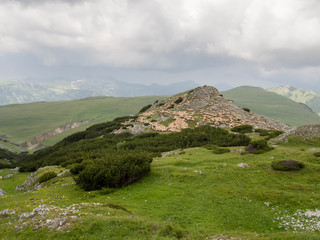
272,105
12,92
308,97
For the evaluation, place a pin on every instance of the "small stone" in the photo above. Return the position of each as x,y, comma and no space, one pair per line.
4,213
8,176
243,165
2,193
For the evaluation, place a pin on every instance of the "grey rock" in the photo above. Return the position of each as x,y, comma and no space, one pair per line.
2,193
8,176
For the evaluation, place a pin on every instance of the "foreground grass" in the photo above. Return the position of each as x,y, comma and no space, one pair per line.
174,201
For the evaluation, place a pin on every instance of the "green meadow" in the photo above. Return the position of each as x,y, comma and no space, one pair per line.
22,122
272,105
194,194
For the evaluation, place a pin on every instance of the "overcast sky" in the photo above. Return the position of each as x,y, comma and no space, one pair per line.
234,42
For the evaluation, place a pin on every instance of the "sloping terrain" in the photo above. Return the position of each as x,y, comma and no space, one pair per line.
33,123
199,106
194,194
303,133
308,97
272,105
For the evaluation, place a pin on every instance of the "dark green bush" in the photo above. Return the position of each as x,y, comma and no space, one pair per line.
221,150
246,109
269,134
76,168
242,129
123,156
171,106
216,149
114,170
317,154
145,108
46,176
179,100
287,165
258,147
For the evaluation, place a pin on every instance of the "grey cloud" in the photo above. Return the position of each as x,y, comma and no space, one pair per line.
171,36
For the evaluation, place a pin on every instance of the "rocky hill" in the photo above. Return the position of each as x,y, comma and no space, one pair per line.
199,106
308,97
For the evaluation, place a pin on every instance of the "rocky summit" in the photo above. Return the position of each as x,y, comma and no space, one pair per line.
199,106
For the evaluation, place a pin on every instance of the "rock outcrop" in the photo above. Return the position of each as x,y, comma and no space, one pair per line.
304,133
202,105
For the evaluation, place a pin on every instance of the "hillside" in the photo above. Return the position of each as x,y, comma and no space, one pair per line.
13,92
196,107
35,122
184,183
189,194
272,105
308,97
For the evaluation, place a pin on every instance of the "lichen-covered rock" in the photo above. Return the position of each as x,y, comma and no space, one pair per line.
2,193
32,183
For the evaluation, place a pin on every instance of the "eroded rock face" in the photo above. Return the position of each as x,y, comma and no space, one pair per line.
35,142
200,106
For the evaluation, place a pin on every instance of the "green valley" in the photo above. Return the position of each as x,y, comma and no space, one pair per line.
20,123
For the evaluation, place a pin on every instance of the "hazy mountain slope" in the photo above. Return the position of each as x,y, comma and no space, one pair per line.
308,97
12,92
272,105
22,122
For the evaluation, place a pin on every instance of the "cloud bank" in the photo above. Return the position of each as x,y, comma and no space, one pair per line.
275,38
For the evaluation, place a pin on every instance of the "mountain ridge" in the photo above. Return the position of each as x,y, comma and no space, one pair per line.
308,97
15,92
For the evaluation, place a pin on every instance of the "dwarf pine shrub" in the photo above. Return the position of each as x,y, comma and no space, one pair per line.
46,176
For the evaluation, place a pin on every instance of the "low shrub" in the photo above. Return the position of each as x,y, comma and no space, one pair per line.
287,165
145,108
46,176
221,150
269,134
217,150
114,170
246,109
242,129
76,168
258,147
317,154
179,100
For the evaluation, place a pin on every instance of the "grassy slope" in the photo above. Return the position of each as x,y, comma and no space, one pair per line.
173,200
22,122
272,105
